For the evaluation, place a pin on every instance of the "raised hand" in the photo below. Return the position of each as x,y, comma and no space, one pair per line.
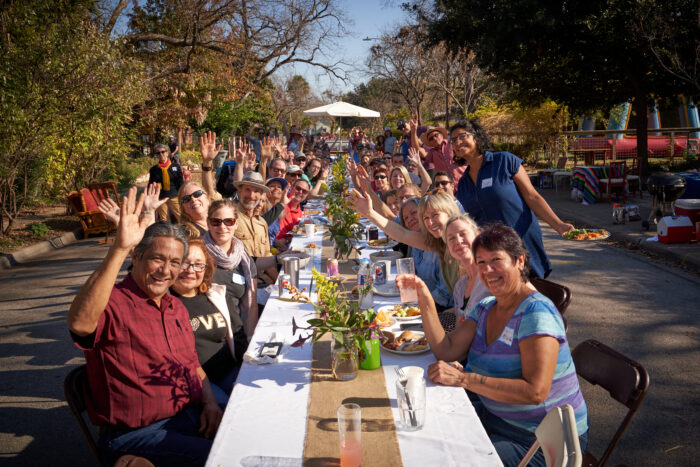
413,123
208,148
414,156
110,209
362,204
266,148
151,202
241,152
132,225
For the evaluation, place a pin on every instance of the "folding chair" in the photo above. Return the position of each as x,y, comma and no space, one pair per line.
626,380
558,438
559,294
617,180
74,387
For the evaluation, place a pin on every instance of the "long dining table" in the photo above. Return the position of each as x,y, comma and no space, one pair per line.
265,421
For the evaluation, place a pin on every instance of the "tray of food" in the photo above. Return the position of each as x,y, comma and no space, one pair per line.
381,244
586,234
405,343
400,312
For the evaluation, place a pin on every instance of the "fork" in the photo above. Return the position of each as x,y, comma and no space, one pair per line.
404,380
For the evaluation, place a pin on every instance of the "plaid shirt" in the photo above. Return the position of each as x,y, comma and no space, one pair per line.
141,360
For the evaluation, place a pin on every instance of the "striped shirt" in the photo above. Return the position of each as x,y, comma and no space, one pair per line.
535,316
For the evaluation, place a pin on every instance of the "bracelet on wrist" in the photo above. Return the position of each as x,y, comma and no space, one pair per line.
207,169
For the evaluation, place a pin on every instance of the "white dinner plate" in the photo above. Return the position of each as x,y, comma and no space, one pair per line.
402,352
389,309
386,290
383,246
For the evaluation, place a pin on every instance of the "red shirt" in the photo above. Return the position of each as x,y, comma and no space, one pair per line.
442,160
142,365
290,219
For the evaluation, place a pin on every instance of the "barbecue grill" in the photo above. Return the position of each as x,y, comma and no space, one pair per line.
664,189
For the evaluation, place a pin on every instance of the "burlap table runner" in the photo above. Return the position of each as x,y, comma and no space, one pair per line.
380,446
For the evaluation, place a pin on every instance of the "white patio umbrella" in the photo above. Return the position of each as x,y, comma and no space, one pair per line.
341,109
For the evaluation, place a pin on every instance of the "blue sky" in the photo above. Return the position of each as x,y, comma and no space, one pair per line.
370,19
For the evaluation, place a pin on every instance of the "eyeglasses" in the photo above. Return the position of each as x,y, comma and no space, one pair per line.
301,190
294,175
461,136
217,222
442,183
194,194
161,152
380,177
197,267
278,170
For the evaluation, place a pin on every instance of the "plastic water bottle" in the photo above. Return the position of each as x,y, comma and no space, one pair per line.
363,273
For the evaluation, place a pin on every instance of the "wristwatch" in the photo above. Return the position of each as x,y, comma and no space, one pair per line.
207,169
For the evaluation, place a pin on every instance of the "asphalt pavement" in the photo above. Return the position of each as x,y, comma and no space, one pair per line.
643,307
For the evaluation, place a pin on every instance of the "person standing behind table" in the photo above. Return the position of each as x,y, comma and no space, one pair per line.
174,147
496,187
169,176
148,393
389,141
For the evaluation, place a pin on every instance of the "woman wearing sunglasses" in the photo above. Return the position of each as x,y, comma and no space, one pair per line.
496,188
381,181
194,206
218,331
234,268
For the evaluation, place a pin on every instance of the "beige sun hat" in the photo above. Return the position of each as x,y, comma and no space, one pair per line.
253,179
424,137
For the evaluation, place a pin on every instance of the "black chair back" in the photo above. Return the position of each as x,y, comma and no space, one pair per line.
626,380
74,387
559,294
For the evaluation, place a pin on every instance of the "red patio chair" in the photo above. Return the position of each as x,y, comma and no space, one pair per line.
616,180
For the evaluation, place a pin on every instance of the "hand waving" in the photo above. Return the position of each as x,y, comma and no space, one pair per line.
110,209
208,148
131,224
151,202
414,156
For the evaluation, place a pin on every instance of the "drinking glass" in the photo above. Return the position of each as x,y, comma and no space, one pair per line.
410,395
309,228
409,296
349,434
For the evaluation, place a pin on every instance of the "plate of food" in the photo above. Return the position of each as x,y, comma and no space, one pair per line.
384,320
312,212
400,312
405,343
386,290
586,234
299,229
313,246
381,244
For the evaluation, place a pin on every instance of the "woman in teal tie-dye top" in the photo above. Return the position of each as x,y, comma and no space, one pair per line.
519,362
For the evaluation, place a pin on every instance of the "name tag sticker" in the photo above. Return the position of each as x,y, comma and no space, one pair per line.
507,336
487,182
238,279
174,169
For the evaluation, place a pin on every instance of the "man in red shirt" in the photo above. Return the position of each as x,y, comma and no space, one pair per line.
146,390
293,212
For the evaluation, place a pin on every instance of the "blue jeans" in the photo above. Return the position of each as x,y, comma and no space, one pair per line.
171,441
511,442
222,388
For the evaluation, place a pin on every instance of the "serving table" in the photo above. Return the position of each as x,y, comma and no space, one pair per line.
267,419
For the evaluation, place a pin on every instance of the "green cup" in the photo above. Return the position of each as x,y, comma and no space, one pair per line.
372,359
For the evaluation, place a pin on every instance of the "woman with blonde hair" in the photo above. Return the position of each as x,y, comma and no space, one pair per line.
194,207
434,209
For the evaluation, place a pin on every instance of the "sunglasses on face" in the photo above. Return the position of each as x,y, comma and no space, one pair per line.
217,222
161,152
278,170
294,175
442,183
195,194
380,177
301,190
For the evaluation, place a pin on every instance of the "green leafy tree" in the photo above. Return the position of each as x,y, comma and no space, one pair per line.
587,55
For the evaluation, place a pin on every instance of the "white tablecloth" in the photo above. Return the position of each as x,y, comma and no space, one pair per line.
265,420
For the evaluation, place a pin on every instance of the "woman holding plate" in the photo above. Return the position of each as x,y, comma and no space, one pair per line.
519,361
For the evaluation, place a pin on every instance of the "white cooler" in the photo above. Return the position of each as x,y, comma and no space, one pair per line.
675,229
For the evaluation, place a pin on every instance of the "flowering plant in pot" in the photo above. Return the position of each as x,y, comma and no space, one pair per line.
341,316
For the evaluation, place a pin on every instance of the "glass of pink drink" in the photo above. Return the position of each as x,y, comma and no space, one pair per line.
349,434
409,296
